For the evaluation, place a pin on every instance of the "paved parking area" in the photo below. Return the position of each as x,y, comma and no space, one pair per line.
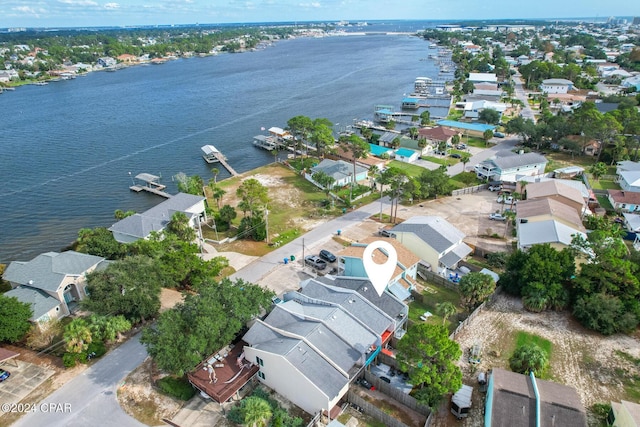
24,378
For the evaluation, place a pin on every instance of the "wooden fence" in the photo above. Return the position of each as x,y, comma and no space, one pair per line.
475,312
469,190
397,394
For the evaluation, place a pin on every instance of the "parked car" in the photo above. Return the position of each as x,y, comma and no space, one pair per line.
455,156
315,262
4,375
497,217
386,233
503,198
461,146
327,256
498,134
364,383
495,187
386,380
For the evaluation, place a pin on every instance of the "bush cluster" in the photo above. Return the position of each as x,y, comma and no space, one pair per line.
178,387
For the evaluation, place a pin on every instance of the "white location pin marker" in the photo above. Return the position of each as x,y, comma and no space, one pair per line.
379,274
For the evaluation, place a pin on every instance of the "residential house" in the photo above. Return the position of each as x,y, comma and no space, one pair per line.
406,155
624,201
438,134
631,82
517,400
339,170
632,222
380,151
313,345
127,58
432,238
545,209
140,226
473,109
403,279
106,62
555,189
52,283
550,231
556,86
506,166
628,175
471,129
342,154
624,414
483,78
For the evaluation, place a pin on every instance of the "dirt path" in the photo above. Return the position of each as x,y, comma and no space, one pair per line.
589,362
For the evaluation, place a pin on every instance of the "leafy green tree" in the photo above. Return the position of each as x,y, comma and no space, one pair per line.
204,323
180,227
253,197
130,287
226,214
257,412
464,159
189,184
429,356
476,288
300,127
445,309
413,132
325,181
322,135
597,170
77,335
604,313
528,358
487,135
107,328
488,115
99,242
425,118
14,319
120,214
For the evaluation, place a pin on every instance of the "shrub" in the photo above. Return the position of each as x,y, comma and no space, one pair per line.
527,358
98,348
71,359
179,388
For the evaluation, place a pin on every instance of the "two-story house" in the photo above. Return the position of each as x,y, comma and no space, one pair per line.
435,240
506,166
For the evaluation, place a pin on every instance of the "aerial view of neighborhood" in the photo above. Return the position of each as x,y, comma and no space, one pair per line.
198,232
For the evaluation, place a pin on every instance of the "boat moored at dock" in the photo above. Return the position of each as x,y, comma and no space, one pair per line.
210,154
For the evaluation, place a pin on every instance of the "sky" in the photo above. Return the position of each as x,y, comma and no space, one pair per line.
91,13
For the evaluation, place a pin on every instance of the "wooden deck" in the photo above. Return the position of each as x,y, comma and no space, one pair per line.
151,185
223,162
159,192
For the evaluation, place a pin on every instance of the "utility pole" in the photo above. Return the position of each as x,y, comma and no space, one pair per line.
266,223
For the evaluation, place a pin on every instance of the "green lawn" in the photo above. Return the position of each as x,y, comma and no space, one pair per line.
441,160
411,170
604,202
560,160
603,184
526,338
433,295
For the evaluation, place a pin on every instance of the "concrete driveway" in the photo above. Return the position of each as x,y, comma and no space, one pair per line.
24,378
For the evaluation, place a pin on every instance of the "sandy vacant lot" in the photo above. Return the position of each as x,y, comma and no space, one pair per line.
580,358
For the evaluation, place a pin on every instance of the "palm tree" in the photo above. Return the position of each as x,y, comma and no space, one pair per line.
422,143
77,335
523,188
413,132
465,158
445,309
274,153
256,411
359,150
372,173
215,172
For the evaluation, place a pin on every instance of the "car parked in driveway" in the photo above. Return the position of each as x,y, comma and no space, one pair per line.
455,156
315,262
497,217
327,256
386,233
495,187
4,375
498,134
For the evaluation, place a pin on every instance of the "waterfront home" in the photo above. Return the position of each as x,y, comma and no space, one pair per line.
403,279
438,134
483,78
506,165
140,226
106,62
554,86
518,400
471,129
127,58
473,109
315,343
435,240
340,171
52,283
624,201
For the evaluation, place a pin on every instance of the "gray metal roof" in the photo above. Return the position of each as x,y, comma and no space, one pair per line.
509,160
337,169
156,218
551,231
48,270
352,302
41,302
386,302
433,230
458,253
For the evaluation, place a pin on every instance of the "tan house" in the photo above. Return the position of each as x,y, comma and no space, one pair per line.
437,134
127,58
624,414
52,283
553,189
536,210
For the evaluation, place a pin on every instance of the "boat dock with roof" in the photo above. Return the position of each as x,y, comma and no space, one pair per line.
151,185
213,155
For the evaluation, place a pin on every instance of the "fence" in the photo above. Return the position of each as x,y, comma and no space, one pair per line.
475,312
397,394
469,190
434,278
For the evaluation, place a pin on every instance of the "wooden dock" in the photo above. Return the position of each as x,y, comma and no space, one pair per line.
151,185
223,162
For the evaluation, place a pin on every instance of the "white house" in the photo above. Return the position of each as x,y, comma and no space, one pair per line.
556,86
629,175
473,109
506,165
339,170
434,240
553,232
140,226
52,283
483,77
313,345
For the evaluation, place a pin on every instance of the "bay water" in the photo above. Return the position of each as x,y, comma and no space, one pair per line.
68,149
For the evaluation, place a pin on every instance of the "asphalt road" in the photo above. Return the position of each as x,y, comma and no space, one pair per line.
90,398
527,112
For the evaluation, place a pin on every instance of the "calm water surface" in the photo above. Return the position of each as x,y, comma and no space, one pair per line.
67,148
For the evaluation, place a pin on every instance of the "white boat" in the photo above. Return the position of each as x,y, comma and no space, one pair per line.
211,154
